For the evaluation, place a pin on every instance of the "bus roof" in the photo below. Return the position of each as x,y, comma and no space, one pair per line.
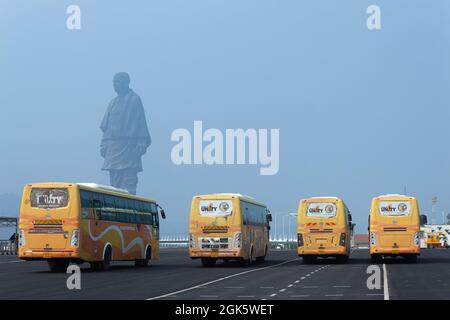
230,195
93,187
322,198
394,195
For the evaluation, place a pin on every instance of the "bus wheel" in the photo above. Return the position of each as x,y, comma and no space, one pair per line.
309,259
144,262
262,258
412,258
342,259
375,258
58,265
106,263
208,262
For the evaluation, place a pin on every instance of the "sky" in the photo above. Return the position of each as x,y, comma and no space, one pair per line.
360,112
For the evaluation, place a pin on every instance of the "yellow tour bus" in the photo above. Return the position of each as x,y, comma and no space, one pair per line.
324,229
84,222
228,226
394,227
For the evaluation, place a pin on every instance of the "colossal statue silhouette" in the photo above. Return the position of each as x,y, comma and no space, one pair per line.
125,135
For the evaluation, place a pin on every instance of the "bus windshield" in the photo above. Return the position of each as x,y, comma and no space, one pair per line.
321,210
214,208
395,208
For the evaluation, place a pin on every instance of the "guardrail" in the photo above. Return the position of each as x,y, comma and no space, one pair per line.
8,247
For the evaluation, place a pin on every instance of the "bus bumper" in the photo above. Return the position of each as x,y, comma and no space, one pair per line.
46,255
395,251
230,254
305,251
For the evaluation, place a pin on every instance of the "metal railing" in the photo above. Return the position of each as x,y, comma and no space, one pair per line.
8,247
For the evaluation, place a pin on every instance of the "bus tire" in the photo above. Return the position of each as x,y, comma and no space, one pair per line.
375,258
58,265
412,258
208,262
263,257
106,263
144,262
342,259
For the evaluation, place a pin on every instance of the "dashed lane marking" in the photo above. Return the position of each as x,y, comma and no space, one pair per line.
222,279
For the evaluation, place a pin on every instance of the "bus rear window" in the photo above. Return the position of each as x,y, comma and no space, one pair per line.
215,207
49,198
321,210
395,208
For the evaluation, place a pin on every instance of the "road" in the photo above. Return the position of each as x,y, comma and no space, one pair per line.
282,276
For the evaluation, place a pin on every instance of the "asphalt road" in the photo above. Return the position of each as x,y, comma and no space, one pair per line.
282,276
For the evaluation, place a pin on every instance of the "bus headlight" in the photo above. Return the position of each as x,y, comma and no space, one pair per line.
75,240
373,239
300,241
191,241
342,239
21,238
237,240
416,239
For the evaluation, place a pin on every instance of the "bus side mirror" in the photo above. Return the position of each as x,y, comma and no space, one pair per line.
423,220
350,217
269,217
163,214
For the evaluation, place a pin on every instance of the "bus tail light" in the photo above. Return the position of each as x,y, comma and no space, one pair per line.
416,238
342,239
75,240
373,239
300,241
237,240
191,241
21,238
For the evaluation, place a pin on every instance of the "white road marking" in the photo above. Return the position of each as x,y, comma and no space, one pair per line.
221,279
290,286
15,261
273,294
342,286
385,283
282,290
297,281
303,278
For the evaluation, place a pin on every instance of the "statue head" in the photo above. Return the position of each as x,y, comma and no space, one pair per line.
121,83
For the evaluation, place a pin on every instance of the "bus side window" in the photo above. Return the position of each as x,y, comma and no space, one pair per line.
86,204
132,210
97,202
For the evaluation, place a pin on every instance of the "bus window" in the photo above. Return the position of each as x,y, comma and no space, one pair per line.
86,204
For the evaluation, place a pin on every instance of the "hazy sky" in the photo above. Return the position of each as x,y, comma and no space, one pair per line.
360,112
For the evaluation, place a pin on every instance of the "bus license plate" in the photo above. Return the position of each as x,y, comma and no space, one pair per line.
47,255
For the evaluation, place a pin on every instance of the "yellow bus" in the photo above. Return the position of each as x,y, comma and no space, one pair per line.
228,226
83,222
324,229
394,227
